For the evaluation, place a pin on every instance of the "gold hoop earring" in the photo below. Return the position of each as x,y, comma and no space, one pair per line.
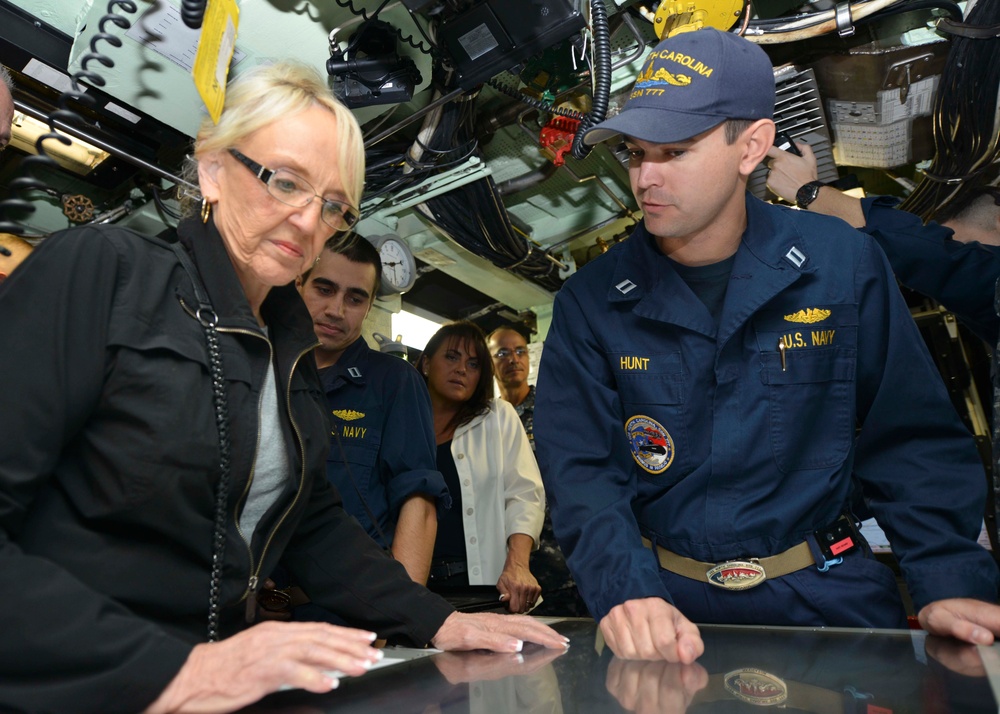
206,210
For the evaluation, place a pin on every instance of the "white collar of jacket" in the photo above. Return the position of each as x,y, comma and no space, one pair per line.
478,419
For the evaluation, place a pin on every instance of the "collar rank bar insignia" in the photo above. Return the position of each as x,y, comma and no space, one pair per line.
626,286
796,257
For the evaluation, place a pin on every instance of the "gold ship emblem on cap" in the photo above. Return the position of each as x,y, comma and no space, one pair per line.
662,75
808,316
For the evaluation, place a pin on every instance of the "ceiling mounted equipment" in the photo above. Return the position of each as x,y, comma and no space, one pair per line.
495,35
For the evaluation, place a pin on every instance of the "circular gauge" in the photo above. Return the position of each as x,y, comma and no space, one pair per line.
399,270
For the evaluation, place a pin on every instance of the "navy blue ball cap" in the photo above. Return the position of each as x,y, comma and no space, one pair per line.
691,83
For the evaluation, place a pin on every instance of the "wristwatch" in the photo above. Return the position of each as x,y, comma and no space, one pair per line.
807,193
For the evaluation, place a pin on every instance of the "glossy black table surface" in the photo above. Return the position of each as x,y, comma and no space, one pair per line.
744,669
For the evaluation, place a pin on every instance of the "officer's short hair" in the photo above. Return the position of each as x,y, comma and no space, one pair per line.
357,250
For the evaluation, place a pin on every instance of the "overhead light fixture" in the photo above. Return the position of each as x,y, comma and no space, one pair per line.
78,156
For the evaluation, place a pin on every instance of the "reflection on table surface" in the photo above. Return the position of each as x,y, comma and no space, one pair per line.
826,671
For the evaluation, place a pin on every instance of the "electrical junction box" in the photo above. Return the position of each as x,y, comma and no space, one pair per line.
495,35
879,102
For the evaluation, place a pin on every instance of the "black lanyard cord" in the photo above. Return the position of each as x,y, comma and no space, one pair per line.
208,319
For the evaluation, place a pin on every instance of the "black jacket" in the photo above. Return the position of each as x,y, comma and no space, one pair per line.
109,458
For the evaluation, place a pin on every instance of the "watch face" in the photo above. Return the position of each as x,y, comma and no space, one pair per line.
397,265
807,193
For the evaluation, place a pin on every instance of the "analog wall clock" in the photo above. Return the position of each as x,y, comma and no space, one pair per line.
399,270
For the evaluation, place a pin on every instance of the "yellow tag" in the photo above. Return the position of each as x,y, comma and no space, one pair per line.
215,51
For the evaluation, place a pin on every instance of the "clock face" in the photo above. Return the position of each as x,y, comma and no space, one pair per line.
398,268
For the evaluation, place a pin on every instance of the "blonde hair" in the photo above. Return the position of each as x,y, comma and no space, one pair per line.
265,95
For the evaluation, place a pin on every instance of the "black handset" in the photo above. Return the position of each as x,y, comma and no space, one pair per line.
784,142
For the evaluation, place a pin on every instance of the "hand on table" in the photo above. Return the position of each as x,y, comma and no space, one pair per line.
964,619
490,631
653,629
227,675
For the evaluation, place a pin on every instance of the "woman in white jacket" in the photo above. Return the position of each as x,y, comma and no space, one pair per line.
498,502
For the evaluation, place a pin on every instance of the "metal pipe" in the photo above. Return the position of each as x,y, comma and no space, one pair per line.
416,115
82,135
527,180
630,24
604,187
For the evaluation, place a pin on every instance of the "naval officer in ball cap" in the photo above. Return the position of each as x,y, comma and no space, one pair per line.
700,387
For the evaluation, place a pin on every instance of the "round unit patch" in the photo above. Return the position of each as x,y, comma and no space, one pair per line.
652,447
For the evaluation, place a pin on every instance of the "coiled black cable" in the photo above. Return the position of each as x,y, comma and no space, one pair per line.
21,186
602,77
193,12
407,39
966,151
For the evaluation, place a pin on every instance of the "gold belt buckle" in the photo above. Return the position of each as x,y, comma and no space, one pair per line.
737,574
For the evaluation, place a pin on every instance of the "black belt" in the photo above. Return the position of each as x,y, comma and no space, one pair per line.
442,570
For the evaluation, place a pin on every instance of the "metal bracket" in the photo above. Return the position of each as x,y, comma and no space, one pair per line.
904,73
845,20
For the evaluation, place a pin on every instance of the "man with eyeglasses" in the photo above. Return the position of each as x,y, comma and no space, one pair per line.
510,354
510,364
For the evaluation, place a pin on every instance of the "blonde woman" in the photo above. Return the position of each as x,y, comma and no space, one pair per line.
164,443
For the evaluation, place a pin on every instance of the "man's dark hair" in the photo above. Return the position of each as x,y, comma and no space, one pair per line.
357,250
735,127
469,333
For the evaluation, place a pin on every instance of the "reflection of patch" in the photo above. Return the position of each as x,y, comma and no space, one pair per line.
808,316
756,687
652,447
348,414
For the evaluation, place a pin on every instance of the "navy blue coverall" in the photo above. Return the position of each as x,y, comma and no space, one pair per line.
381,411
926,258
653,420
